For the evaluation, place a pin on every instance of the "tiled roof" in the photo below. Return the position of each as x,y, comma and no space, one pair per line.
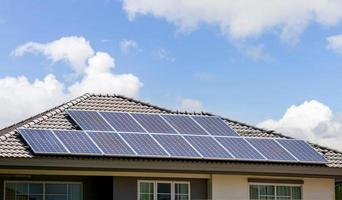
11,145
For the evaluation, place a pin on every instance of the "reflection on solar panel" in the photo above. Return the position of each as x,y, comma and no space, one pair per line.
176,145
89,120
122,122
271,149
215,126
153,123
111,143
42,141
77,142
184,124
240,148
301,150
143,144
208,147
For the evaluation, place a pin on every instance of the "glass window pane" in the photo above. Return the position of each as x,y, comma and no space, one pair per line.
164,188
56,189
74,192
22,197
181,197
146,187
146,196
164,197
35,197
21,188
296,193
283,192
10,191
36,188
55,197
181,188
253,192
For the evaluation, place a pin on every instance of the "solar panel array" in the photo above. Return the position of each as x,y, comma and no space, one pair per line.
165,136
169,146
123,122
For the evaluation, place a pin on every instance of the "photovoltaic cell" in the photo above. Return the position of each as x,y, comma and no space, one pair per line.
215,126
153,123
176,145
122,122
89,120
111,143
143,144
77,142
240,148
271,149
302,150
208,147
42,141
184,124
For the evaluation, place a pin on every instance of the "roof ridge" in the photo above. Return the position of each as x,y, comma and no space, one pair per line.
7,131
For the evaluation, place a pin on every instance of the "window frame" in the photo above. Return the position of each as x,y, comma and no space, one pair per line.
275,187
42,182
155,187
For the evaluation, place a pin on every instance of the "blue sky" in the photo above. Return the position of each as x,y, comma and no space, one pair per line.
249,77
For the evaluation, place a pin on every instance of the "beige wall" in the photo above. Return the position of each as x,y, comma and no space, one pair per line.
234,187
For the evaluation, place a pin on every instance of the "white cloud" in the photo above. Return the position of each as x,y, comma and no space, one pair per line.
335,43
190,105
99,78
312,121
244,18
20,98
127,45
74,50
165,55
256,52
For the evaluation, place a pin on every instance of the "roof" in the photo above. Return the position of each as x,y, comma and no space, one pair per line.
13,146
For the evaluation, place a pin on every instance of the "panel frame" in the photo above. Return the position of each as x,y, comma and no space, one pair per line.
129,113
79,154
302,161
43,153
217,117
95,111
114,155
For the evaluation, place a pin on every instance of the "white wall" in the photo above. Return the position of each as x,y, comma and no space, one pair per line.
234,187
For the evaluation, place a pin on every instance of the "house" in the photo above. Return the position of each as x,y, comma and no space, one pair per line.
28,175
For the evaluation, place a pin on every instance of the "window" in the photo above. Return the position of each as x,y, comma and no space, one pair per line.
163,190
275,192
19,190
146,190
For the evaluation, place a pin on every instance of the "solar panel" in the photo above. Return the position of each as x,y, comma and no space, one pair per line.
184,124
89,120
122,122
176,145
215,126
208,147
240,148
302,150
111,143
153,123
42,141
77,142
271,149
143,144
